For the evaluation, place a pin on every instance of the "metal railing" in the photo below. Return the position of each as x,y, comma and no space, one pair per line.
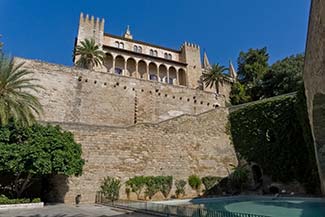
169,210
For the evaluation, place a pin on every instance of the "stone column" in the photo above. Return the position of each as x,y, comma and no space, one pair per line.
137,69
113,65
158,77
125,71
148,76
168,76
177,78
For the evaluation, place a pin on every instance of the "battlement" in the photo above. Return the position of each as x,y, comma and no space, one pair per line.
188,44
97,23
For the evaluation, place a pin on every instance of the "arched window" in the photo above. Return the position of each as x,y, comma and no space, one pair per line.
140,49
135,48
151,52
169,56
121,45
117,44
156,53
166,56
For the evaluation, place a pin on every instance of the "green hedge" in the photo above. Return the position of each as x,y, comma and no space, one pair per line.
5,200
275,134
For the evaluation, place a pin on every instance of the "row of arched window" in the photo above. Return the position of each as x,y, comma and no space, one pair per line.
139,50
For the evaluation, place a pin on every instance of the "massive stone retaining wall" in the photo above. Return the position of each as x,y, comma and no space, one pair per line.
129,127
81,96
314,79
179,147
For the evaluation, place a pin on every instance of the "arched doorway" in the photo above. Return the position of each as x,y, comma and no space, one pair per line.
131,67
172,76
119,65
163,73
108,62
142,69
153,72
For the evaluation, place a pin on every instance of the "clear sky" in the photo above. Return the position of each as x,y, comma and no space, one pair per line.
45,30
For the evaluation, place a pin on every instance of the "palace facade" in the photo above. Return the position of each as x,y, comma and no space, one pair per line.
128,57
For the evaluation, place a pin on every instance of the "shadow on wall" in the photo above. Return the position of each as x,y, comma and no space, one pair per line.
56,187
319,126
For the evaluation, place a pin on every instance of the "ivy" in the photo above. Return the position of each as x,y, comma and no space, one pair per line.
275,134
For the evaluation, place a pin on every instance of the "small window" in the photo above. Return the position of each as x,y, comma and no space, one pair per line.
135,48
166,56
151,52
117,44
155,53
121,45
140,49
169,56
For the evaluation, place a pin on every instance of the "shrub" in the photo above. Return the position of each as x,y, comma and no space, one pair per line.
111,188
152,186
6,200
195,182
210,181
239,176
36,200
166,184
180,187
136,184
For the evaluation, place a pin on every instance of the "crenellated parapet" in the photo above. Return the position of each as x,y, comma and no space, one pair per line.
188,44
91,27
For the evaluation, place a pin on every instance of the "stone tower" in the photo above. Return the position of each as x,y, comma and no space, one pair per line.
190,54
89,27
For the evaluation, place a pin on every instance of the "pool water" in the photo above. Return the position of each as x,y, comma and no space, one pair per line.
274,207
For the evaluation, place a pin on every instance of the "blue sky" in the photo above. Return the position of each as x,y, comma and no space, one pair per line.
45,30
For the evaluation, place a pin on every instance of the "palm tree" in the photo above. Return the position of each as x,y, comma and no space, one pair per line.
90,54
214,76
16,101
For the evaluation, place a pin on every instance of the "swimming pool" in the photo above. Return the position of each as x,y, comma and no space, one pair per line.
268,206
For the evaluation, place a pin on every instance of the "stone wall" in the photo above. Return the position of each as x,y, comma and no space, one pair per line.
81,96
128,126
314,79
179,147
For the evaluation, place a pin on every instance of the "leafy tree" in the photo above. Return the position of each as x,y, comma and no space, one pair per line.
252,65
238,94
111,188
180,187
213,77
34,151
89,54
16,87
284,76
136,184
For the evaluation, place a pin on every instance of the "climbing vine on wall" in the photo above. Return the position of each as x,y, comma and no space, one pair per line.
275,134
